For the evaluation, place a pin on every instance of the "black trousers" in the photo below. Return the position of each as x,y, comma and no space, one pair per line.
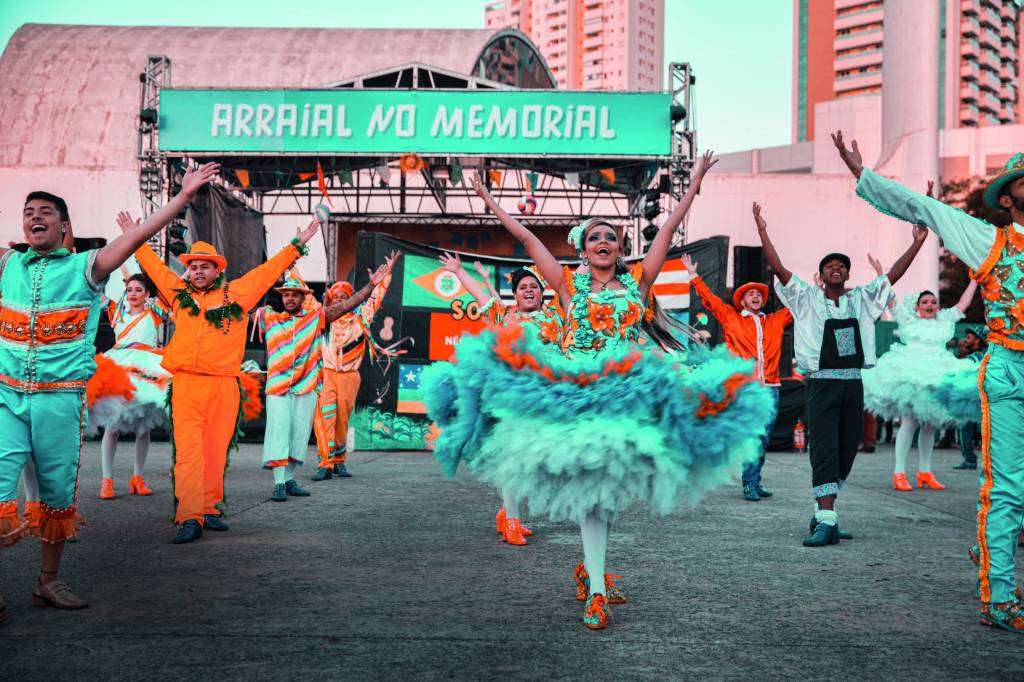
835,421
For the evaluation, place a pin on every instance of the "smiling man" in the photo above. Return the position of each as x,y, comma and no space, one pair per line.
834,332
754,335
49,313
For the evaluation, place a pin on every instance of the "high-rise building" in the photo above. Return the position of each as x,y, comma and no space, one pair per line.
591,44
838,50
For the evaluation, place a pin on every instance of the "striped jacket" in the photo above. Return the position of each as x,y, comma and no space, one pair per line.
345,342
293,350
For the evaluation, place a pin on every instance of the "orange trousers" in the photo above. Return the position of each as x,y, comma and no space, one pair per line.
334,409
204,409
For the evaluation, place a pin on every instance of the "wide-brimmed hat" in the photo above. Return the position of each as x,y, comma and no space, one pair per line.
293,282
203,251
1014,169
737,296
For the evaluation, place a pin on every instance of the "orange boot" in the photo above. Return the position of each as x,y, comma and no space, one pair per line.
926,479
514,532
900,482
597,613
499,521
106,488
579,576
137,486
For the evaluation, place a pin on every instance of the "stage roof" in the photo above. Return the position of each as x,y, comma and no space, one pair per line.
69,94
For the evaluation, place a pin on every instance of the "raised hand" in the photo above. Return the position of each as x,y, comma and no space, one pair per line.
195,178
478,186
305,235
689,263
125,221
480,269
875,264
707,160
450,262
377,276
818,281
851,157
389,262
931,189
762,226
920,233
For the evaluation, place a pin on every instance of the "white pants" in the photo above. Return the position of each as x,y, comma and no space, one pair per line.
289,423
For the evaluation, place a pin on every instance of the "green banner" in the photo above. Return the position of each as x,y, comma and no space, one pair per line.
425,284
485,122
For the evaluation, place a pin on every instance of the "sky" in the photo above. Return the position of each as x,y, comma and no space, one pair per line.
740,50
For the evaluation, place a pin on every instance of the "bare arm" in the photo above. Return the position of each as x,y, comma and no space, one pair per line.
487,280
658,251
770,254
550,269
111,256
965,300
452,263
336,310
899,268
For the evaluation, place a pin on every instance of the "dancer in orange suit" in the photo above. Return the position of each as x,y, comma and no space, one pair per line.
345,344
204,357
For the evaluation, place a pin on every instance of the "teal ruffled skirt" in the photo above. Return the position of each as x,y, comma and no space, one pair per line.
595,433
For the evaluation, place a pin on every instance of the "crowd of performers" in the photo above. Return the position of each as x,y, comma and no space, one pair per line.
619,403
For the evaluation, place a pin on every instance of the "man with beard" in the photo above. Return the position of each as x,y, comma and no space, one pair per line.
996,254
205,355
294,367
834,339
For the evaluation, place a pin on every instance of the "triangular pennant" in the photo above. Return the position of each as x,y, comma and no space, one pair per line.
609,175
531,182
321,182
573,179
305,176
345,177
455,173
243,177
495,176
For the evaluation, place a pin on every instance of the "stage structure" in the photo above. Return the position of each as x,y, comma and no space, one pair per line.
393,153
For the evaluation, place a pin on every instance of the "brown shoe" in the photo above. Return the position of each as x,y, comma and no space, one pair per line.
58,595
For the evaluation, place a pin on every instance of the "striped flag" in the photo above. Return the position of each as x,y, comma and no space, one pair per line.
672,287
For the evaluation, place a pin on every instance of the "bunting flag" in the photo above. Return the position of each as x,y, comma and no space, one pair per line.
385,174
495,176
243,177
531,182
321,182
572,179
609,175
305,176
345,177
455,173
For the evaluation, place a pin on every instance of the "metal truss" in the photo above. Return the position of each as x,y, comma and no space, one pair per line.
152,167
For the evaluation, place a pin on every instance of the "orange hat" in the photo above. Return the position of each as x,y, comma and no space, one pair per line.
338,289
293,282
737,296
203,251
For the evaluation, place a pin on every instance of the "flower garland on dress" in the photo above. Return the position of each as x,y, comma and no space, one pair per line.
586,336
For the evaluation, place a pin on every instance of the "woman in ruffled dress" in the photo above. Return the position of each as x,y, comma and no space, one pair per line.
625,413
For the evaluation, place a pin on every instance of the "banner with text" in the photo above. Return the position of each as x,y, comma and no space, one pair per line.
484,122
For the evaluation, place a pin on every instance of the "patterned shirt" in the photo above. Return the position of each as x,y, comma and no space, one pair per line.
345,341
49,313
293,350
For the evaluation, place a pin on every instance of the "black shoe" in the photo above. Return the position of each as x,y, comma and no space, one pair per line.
843,535
967,464
750,494
322,475
867,448
293,489
213,522
190,531
823,534
341,471
761,491
279,493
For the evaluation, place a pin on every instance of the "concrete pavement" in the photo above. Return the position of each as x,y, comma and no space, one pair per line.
397,573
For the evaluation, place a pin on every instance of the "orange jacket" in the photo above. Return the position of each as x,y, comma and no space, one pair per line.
741,332
197,346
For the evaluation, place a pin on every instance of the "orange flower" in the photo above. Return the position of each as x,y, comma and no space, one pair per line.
1017,312
549,331
601,317
997,324
633,314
